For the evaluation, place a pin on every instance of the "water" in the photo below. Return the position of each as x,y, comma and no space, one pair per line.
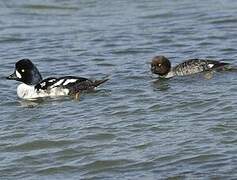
134,126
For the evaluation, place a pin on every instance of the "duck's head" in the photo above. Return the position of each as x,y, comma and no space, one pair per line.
26,72
160,65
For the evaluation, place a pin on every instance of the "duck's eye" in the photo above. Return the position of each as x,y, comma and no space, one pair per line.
23,70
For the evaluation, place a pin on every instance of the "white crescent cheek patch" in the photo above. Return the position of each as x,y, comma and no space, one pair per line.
18,75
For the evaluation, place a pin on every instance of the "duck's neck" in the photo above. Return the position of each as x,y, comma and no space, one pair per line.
169,75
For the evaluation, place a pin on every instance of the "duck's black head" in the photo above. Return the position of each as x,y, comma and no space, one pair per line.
160,65
26,72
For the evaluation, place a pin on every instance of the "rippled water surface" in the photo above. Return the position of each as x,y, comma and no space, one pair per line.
134,126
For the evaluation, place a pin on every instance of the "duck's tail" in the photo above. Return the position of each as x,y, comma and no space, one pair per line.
224,64
99,82
231,68
226,67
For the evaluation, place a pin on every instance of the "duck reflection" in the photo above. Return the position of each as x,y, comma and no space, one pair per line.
161,84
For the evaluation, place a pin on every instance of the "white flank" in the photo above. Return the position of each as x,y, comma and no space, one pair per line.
69,81
25,91
57,91
18,75
210,65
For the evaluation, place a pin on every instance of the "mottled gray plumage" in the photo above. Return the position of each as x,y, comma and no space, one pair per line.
193,66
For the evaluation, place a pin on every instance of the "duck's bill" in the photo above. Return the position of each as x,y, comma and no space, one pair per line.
12,76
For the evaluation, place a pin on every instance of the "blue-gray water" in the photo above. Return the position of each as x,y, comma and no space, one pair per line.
133,127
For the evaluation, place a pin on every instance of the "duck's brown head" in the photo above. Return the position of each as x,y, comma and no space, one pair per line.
160,65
